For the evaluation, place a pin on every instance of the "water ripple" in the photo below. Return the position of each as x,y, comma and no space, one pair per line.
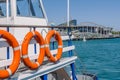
101,57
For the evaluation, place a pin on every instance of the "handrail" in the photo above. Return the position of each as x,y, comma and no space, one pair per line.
3,43
4,63
37,26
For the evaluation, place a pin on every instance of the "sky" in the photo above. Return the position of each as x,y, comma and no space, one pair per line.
103,12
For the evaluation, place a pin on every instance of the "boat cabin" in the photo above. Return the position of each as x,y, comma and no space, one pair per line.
22,12
15,15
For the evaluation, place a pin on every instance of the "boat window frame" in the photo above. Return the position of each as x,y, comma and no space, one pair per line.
7,8
1,9
31,16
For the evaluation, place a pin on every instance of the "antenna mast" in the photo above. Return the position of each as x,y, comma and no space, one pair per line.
68,12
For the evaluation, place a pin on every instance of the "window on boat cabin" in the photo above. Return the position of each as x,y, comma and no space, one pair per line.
3,8
29,8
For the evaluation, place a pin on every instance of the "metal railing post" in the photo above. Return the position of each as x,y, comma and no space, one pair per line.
8,52
71,54
44,77
8,49
53,43
35,46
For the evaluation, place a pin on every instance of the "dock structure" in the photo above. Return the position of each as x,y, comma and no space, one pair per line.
94,28
87,29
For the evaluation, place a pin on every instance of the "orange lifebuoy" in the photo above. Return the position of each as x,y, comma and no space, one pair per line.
40,40
60,45
16,56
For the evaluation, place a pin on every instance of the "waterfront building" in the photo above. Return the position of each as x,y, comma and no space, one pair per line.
88,29
94,28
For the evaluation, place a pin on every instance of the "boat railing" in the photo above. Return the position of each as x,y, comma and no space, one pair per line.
49,68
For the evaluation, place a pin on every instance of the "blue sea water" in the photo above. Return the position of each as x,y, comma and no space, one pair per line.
101,57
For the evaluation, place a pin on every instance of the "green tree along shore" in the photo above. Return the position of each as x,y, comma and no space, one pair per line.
116,32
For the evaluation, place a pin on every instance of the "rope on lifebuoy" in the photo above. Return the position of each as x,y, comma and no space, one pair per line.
36,35
16,54
60,46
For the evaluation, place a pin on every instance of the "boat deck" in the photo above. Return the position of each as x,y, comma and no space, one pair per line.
44,69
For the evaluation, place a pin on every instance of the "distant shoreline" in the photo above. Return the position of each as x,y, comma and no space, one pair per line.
95,38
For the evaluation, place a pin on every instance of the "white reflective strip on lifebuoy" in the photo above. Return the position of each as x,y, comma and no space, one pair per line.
25,56
16,48
46,45
33,33
9,71
37,63
60,46
42,46
55,32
